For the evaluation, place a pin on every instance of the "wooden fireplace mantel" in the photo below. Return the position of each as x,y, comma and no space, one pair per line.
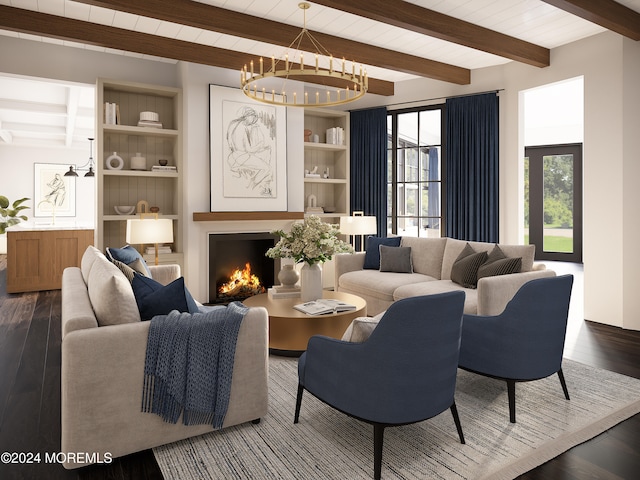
245,216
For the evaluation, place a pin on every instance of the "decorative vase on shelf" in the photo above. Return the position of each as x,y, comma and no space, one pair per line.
288,276
310,282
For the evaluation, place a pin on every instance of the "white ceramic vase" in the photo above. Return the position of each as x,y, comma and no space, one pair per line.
288,276
310,282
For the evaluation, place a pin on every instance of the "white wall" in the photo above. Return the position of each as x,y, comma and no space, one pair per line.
195,80
609,64
17,180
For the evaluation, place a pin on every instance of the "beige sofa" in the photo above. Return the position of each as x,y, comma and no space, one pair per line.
432,260
103,367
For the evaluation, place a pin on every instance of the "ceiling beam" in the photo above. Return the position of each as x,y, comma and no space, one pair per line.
606,13
207,17
28,21
434,24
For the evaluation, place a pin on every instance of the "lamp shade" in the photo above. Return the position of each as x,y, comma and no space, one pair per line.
358,225
149,230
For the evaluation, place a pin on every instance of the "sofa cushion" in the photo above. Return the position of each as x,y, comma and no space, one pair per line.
111,294
372,255
465,269
380,285
442,286
153,298
131,257
426,254
395,259
89,256
499,264
360,328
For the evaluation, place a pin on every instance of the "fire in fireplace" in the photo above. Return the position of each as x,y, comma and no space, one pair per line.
244,252
242,283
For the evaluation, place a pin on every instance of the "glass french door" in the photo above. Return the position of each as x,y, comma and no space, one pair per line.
553,201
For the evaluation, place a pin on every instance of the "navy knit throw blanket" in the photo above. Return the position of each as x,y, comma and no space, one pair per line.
189,365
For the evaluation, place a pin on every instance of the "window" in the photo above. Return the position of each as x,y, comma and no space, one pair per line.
414,171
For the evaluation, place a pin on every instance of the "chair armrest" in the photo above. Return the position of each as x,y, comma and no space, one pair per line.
165,274
495,292
346,262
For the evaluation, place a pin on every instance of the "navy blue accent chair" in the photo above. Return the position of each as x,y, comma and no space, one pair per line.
523,343
404,373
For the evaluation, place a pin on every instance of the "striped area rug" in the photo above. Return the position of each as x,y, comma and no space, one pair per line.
329,445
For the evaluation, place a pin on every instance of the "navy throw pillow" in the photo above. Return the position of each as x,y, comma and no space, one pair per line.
153,298
372,255
130,257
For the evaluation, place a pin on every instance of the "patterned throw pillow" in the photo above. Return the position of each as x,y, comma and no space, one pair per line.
129,256
499,264
465,269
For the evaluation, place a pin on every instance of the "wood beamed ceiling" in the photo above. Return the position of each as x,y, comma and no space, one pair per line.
606,13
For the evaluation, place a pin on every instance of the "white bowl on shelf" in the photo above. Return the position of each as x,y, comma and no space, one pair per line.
124,209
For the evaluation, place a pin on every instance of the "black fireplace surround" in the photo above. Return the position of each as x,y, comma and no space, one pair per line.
231,251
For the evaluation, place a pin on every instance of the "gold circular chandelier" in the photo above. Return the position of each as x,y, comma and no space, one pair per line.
345,82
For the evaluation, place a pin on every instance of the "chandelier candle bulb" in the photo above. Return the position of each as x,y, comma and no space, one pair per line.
251,74
317,97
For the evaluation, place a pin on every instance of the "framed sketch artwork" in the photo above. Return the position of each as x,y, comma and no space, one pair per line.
248,141
54,194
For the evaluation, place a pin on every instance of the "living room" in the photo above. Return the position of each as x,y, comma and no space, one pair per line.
608,62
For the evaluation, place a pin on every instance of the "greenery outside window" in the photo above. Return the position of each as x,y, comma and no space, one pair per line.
414,171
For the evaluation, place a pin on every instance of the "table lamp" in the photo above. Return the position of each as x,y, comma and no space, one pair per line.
150,230
358,224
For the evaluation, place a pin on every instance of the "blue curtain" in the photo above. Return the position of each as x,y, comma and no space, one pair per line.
368,130
472,168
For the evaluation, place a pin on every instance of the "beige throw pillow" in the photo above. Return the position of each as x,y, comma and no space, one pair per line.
111,295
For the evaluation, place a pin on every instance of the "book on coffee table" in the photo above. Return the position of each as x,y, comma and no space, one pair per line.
324,306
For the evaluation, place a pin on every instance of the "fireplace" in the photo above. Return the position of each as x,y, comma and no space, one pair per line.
231,253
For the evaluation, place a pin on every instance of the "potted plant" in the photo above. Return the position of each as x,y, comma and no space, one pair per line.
312,242
10,215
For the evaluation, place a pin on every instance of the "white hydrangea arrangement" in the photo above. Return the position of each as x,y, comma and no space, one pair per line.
312,241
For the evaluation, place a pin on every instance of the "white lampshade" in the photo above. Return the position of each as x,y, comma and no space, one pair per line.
149,230
358,225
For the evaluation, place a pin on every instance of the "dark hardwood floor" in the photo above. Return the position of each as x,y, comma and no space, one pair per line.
30,394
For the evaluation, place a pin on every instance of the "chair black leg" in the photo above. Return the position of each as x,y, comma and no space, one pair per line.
456,419
298,403
378,440
564,384
511,392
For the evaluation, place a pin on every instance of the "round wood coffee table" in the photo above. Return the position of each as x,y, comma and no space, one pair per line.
290,329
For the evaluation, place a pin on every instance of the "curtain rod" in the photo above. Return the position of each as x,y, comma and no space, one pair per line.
432,99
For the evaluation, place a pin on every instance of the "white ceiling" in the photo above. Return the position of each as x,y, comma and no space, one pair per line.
22,121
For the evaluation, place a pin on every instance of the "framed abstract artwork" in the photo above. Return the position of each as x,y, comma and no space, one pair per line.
248,154
54,194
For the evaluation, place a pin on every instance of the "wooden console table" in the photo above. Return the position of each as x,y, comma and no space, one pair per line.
37,258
